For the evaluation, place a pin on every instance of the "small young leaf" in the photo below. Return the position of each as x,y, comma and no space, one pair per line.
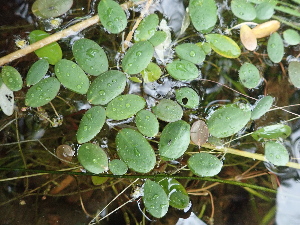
11,78
146,28
117,167
266,29
204,164
155,199
275,48
265,11
294,73
37,71
248,38
158,38
182,70
147,123
6,100
243,10
42,93
124,106
272,132
249,75
199,133
91,124
135,150
291,37
276,153
190,52
99,180
53,8
168,110
151,73
261,107
93,158
187,97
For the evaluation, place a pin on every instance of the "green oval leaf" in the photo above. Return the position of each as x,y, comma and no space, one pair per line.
261,107
93,158
182,70
91,124
106,87
117,167
137,57
90,56
146,28
174,140
11,78
6,99
276,153
155,199
243,10
249,75
203,14
265,11
51,52
147,123
42,93
124,106
275,48
190,52
294,73
291,37
168,110
135,150
158,38
187,97
53,8
72,76
272,132
224,123
204,164
223,45
151,73
112,16
37,71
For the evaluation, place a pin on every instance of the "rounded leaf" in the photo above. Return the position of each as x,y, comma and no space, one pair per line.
190,52
158,38
135,150
151,73
265,11
187,97
112,16
93,158
117,167
72,76
106,87
42,93
261,107
91,124
243,10
6,100
146,28
124,106
291,37
275,48
147,123
182,70
53,8
223,45
199,133
249,75
276,153
294,73
155,199
168,110
37,71
224,123
137,57
11,78
248,38
265,29
272,132
174,140
90,56
204,164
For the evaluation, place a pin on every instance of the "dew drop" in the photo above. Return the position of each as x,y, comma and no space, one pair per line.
139,53
192,54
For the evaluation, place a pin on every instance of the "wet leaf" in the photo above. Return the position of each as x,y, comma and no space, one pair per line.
190,52
261,107
276,153
223,45
155,199
11,78
249,75
124,106
117,167
51,52
199,133
90,56
243,10
151,73
147,123
204,164
248,38
6,100
174,140
37,71
182,70
187,97
275,48
65,153
112,16
224,123
294,73
168,110
135,150
92,158
265,10
137,57
266,29
205,47
91,124
106,87
135,79
53,8
158,38
272,132
42,93
291,37
203,14
146,28
72,76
